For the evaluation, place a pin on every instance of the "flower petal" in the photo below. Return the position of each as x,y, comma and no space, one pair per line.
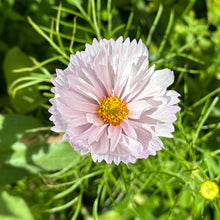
164,130
136,108
158,83
128,129
114,134
132,145
103,70
101,147
94,119
96,134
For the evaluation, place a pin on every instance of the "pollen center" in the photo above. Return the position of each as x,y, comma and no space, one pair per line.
112,110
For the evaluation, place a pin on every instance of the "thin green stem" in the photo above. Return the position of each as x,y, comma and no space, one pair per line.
95,20
128,26
96,202
202,100
99,6
73,36
203,119
36,27
188,8
58,27
79,204
109,4
37,65
63,207
153,27
167,32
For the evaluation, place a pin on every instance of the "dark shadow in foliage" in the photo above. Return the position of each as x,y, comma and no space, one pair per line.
12,130
10,174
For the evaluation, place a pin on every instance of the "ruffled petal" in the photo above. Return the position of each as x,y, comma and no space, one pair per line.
128,129
136,108
132,145
158,83
101,147
95,135
94,119
114,134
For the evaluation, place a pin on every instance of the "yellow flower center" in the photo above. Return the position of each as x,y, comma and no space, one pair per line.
112,110
209,189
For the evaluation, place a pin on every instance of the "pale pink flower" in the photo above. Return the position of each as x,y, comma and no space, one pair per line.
109,102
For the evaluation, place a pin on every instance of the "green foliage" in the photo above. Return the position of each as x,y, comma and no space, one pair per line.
28,97
13,208
46,177
22,153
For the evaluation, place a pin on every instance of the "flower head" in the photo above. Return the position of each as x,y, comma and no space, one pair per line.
209,189
109,102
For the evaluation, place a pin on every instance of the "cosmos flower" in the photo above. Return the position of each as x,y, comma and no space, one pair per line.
109,102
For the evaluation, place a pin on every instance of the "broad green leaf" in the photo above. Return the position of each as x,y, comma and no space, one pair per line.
13,208
185,198
13,127
212,166
17,159
28,98
197,207
54,156
36,158
23,160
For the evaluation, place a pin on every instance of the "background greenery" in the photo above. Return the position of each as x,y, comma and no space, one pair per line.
43,178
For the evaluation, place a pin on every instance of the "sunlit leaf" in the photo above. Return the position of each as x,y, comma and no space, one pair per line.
13,208
28,98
